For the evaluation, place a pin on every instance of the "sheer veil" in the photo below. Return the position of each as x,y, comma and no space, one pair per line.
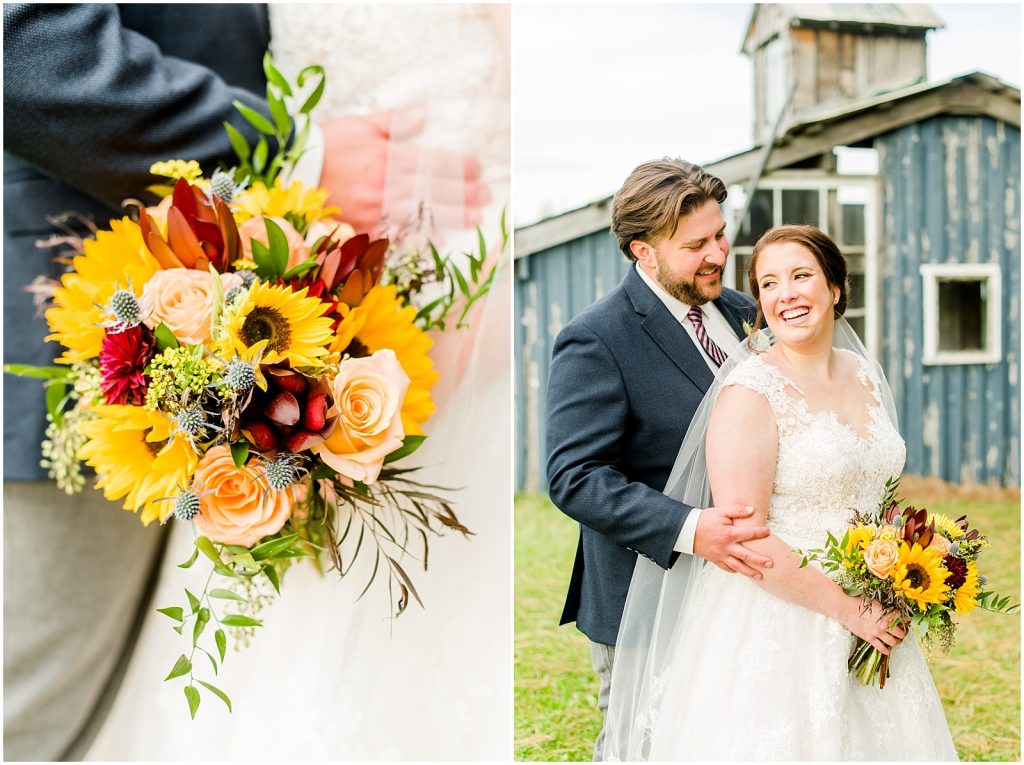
655,615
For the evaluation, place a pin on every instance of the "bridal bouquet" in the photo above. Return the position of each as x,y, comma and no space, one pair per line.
920,565
238,359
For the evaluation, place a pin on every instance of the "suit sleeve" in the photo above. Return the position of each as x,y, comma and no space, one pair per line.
587,421
94,104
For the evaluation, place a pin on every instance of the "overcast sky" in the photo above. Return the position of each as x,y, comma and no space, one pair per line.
597,89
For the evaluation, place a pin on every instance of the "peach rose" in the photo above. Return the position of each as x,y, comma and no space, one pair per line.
182,298
235,513
255,228
880,556
939,543
368,395
341,232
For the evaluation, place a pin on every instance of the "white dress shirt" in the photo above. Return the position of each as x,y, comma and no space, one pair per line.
719,331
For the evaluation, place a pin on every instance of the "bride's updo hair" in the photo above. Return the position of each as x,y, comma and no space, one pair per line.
818,243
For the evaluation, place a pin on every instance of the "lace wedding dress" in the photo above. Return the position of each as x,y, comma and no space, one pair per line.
754,677
331,676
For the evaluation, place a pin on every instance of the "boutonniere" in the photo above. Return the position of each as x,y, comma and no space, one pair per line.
748,328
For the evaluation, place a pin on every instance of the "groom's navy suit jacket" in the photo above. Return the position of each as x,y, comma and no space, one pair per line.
625,382
93,95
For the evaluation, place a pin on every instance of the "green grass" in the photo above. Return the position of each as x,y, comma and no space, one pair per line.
556,714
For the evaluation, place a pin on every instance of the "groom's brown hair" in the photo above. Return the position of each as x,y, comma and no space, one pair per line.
655,195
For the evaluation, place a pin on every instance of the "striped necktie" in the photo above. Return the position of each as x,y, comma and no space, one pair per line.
696,317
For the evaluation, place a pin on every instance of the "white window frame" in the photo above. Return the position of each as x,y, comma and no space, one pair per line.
931,274
823,182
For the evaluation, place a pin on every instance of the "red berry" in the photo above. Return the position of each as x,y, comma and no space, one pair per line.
283,409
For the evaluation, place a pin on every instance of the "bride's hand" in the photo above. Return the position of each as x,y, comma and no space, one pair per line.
874,624
368,167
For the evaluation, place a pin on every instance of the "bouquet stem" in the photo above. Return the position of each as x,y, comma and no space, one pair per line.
868,664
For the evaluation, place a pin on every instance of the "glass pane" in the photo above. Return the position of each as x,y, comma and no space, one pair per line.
962,307
853,225
855,297
740,264
857,322
759,219
800,206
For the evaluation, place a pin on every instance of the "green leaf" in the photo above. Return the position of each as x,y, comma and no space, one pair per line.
409,445
205,545
271,573
261,257
175,612
272,547
56,395
322,471
259,156
240,453
255,119
43,373
213,661
300,269
165,338
245,560
225,595
237,620
193,699
314,97
201,621
222,642
280,114
193,601
238,142
181,667
278,247
275,76
191,560
218,692
463,287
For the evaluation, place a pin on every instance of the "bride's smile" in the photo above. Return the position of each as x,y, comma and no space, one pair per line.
796,298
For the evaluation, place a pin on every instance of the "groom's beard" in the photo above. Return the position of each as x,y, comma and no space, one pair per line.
688,291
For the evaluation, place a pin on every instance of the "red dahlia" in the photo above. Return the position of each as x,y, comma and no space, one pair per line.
957,568
123,356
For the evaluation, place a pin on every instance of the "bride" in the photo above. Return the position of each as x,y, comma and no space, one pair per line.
713,666
332,676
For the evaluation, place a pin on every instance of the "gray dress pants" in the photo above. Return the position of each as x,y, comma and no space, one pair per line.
603,657
77,575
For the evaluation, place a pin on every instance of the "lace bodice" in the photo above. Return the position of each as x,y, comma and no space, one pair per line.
825,468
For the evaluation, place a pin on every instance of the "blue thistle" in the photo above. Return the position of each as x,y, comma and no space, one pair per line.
186,506
240,375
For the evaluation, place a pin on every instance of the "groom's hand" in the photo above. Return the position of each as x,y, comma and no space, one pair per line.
719,540
370,170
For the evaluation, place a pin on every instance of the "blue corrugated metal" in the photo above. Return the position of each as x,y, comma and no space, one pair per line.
951,194
551,287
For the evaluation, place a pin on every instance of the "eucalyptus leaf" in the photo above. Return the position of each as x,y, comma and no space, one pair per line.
245,560
202,619
259,155
165,338
318,91
255,119
271,573
274,75
217,692
270,548
193,699
237,620
191,560
205,545
279,112
223,594
221,639
181,667
175,612
44,373
193,601
238,142
409,445
239,453
213,661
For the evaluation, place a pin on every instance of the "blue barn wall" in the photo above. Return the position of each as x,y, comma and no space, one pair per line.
951,194
551,287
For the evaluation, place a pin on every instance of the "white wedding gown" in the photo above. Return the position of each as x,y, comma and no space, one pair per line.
329,677
754,677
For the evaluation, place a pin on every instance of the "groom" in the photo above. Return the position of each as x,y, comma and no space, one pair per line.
627,375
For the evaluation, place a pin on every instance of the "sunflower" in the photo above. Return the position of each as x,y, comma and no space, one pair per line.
964,599
379,322
297,200
946,525
292,324
125,449
920,576
113,259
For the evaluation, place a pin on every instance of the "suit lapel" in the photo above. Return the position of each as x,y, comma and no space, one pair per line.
667,333
735,313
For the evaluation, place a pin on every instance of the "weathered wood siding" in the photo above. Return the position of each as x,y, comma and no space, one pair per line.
951,194
551,287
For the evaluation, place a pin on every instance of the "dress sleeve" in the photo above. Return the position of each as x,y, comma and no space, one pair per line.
757,375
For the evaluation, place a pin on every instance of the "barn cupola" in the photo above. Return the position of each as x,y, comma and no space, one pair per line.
818,57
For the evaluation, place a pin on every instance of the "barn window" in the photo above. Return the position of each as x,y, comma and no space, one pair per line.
962,308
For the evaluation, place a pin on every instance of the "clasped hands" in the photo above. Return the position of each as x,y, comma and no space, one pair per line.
369,171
